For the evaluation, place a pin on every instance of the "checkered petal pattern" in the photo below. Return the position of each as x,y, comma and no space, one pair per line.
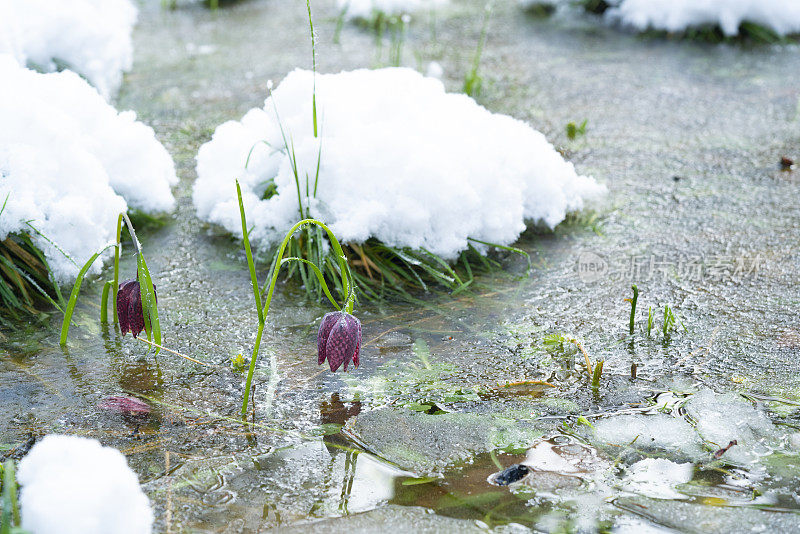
129,307
339,340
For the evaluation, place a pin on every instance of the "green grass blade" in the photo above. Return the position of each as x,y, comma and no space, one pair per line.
320,277
73,298
117,254
148,299
510,249
104,302
249,253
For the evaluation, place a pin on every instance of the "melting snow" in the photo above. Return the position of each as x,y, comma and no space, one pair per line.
92,37
70,163
75,485
401,160
367,9
782,16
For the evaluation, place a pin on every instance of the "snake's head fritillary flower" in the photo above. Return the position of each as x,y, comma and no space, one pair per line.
129,307
339,340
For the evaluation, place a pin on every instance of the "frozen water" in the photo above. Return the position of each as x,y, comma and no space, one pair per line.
659,432
724,417
657,478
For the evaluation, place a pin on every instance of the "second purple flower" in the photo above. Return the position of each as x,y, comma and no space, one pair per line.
339,340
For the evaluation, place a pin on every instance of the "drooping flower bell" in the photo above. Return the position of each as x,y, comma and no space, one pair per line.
129,307
339,340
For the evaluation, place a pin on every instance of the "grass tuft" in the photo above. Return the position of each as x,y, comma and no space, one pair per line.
473,82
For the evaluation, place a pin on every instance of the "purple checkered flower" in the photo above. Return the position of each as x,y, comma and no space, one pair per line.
129,307
339,340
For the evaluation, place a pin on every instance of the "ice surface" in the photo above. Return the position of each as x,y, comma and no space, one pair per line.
782,16
92,37
70,163
367,9
401,160
659,432
75,485
723,417
657,478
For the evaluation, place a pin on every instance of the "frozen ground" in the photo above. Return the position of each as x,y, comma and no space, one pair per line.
91,37
71,163
368,9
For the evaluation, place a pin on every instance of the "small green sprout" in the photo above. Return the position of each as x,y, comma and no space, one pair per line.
574,131
650,319
633,305
238,364
669,321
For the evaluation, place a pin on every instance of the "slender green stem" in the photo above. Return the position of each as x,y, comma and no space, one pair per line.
313,67
347,286
73,298
633,305
104,302
117,254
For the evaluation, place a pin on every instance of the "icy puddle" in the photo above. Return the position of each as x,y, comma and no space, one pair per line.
474,411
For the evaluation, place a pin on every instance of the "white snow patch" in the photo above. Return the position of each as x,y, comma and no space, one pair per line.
724,417
401,160
70,163
434,70
782,16
653,432
92,37
75,485
368,9
657,478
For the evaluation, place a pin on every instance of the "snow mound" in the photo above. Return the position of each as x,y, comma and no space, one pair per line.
92,37
70,163
75,485
781,16
367,9
401,160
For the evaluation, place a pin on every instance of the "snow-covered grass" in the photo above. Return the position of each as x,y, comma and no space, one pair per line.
370,10
399,165
714,20
779,16
71,484
91,37
69,165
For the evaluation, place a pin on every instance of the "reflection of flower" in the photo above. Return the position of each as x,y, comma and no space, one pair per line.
125,405
339,340
129,307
